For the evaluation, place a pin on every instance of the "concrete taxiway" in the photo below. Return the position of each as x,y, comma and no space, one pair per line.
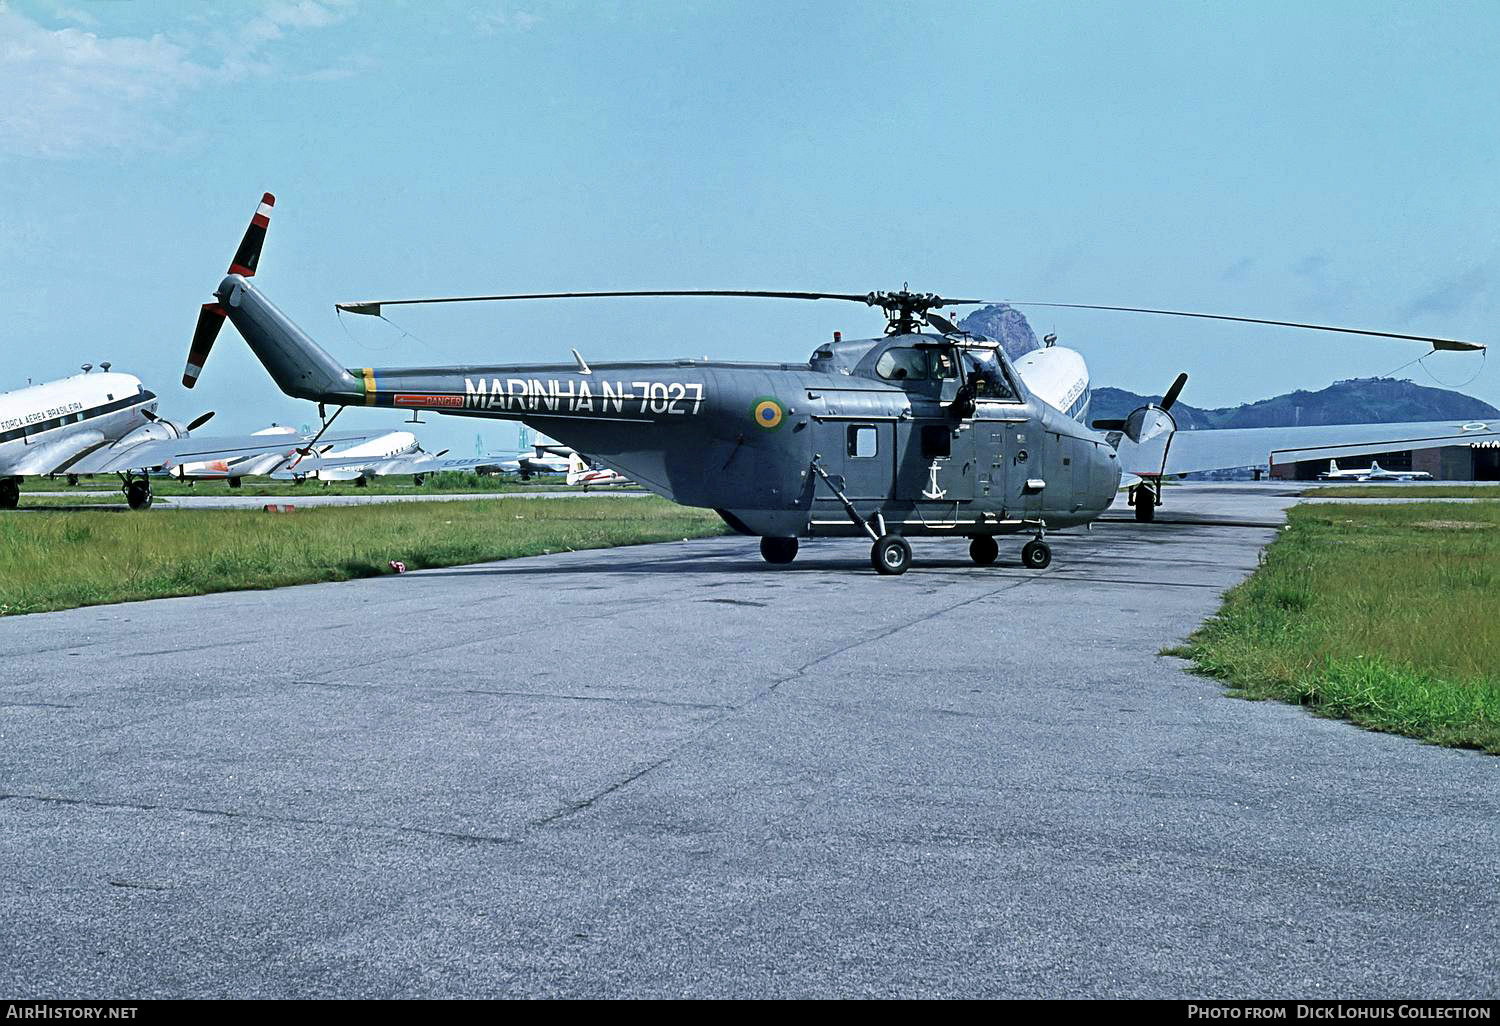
675,770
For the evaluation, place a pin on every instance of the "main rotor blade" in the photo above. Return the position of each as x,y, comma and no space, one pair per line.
1451,344
372,308
942,323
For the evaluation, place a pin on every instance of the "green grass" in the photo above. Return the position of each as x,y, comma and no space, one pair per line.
67,559
1406,491
1388,616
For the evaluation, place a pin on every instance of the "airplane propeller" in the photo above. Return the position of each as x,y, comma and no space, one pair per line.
1166,404
1173,392
193,425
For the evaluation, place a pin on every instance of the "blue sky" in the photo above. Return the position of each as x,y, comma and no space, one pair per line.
1331,162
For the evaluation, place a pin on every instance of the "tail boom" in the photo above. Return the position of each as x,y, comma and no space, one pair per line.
299,366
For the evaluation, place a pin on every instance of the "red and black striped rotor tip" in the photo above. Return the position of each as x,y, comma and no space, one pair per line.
247,257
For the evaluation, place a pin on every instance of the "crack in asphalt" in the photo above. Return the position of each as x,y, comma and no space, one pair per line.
587,803
259,817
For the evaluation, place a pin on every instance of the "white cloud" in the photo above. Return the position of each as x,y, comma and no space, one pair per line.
280,15
72,91
503,19
69,90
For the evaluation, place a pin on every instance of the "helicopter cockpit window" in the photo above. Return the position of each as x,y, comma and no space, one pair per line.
902,365
991,382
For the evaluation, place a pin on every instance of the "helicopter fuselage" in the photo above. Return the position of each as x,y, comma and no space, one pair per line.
924,433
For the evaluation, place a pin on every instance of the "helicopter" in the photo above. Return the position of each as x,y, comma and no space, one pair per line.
925,430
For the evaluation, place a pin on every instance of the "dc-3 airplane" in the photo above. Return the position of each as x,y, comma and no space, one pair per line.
1374,472
106,423
395,452
926,430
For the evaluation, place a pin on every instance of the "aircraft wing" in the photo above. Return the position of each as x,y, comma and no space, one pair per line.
165,453
1223,449
50,457
413,463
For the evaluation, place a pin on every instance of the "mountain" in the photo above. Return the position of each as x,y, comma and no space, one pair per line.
1006,325
1355,401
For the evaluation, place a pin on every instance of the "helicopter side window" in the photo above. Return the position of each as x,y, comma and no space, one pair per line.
902,364
861,441
943,364
937,442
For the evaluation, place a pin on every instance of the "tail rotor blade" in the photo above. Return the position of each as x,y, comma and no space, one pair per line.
1173,392
247,257
211,317
210,320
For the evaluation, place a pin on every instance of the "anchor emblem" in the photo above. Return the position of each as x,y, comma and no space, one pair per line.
933,491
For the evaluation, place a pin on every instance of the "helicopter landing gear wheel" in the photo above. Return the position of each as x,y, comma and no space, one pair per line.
778,550
891,555
138,494
983,549
1036,555
10,494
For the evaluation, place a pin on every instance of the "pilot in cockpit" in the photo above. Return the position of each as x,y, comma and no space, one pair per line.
989,379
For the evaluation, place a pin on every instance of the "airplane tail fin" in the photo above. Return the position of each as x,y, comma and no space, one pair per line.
1333,466
300,367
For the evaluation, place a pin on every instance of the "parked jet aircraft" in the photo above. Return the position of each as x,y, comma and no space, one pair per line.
1374,472
546,457
917,432
580,473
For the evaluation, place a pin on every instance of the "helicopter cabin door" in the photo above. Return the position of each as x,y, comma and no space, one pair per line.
936,462
860,453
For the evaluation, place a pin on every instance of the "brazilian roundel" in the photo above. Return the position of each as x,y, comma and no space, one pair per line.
767,413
